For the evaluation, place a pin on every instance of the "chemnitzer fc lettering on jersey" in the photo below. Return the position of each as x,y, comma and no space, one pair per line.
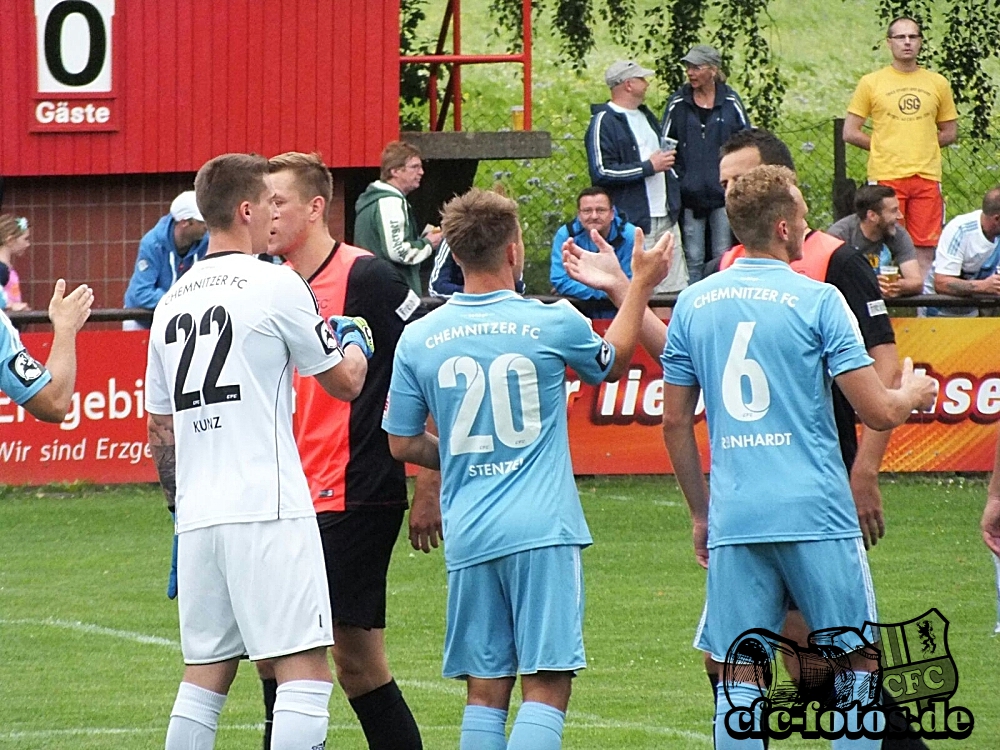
493,328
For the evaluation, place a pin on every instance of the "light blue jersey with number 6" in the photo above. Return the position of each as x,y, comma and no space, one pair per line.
764,344
491,370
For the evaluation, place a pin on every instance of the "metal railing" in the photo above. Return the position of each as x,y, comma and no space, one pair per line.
113,315
453,89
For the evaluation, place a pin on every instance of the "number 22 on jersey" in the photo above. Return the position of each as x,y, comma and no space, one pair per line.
210,392
497,385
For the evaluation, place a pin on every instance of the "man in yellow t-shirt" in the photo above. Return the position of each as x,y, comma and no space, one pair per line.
913,115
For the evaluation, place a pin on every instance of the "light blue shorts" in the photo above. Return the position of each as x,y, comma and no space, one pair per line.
518,614
750,585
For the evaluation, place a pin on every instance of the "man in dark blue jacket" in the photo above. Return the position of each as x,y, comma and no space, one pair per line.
166,252
625,158
701,116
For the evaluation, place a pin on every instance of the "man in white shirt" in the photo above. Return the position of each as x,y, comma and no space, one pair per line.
967,256
251,577
625,158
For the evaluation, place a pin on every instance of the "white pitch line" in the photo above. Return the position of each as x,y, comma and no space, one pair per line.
593,721
90,629
449,687
575,719
126,731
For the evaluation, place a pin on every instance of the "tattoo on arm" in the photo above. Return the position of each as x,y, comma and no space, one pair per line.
161,445
959,287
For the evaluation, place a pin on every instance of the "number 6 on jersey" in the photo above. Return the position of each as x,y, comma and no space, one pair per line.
739,366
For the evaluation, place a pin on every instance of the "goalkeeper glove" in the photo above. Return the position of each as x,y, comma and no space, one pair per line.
172,580
354,331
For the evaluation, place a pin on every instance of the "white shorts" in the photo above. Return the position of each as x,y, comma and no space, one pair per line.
256,589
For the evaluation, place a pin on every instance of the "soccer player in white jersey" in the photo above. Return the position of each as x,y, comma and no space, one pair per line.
251,578
490,368
763,344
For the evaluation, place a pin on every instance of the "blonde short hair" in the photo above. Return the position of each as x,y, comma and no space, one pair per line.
757,201
312,178
478,226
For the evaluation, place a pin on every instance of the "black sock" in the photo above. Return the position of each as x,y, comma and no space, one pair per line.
270,693
899,741
386,719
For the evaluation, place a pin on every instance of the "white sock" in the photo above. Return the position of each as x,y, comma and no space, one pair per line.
301,715
194,718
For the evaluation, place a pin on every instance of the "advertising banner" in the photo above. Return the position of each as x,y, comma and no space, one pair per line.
614,428
103,438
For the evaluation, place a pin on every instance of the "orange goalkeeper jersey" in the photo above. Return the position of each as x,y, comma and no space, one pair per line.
344,452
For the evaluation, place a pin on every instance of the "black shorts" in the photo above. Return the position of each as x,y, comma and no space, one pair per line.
357,545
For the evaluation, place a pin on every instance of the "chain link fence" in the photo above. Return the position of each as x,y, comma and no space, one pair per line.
546,189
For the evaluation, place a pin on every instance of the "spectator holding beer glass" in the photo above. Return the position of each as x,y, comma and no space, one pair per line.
874,231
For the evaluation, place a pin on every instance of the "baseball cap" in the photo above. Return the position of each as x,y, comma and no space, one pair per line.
620,71
702,54
185,207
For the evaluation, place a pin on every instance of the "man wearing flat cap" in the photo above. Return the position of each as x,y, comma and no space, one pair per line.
701,116
166,252
626,159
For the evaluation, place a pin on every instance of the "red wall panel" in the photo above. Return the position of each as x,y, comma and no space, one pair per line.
193,79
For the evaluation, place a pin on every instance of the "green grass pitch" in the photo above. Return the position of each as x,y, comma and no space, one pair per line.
89,654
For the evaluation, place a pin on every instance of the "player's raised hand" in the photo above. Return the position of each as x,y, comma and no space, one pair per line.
921,388
354,331
600,270
650,267
68,312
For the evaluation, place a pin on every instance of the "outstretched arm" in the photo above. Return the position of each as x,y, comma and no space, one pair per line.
649,267
602,270
68,314
881,408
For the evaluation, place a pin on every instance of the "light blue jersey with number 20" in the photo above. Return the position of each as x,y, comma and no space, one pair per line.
491,370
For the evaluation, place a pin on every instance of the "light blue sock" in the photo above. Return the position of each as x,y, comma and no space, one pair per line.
743,696
483,729
862,682
862,743
537,727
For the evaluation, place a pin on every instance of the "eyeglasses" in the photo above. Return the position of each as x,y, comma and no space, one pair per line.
905,37
22,224
414,167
